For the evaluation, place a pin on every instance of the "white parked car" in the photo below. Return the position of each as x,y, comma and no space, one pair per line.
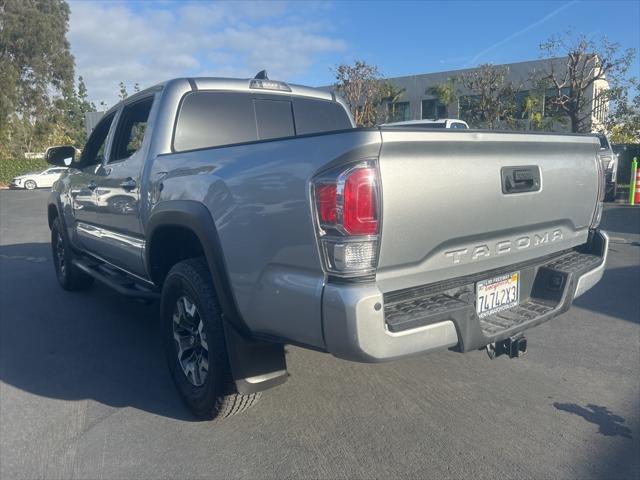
440,123
45,178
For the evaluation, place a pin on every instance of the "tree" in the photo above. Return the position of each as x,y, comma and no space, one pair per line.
359,85
623,123
489,100
35,61
74,107
578,78
36,67
123,91
532,111
389,96
533,106
444,92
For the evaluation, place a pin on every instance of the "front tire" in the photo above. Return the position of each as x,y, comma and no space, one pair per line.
69,276
30,185
194,343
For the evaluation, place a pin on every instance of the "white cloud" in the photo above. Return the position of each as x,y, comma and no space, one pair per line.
147,43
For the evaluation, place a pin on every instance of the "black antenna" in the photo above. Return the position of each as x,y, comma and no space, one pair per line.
261,75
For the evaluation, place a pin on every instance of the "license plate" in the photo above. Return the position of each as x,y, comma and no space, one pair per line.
497,294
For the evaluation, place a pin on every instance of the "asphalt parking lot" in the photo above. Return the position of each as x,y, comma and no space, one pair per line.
84,392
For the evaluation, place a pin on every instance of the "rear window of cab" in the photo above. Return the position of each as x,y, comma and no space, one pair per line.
209,119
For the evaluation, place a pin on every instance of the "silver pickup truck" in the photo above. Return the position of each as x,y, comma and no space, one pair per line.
260,216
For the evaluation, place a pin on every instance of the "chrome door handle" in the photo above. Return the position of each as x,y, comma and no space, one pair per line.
129,184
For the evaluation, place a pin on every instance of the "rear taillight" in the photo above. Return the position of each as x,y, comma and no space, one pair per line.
327,205
347,203
360,212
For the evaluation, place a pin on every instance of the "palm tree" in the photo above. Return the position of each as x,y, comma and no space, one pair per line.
390,95
445,92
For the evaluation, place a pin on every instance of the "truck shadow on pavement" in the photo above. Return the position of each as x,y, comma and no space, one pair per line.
609,424
615,295
79,345
621,219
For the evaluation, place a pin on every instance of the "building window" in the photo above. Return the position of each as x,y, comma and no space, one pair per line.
550,107
600,107
398,111
433,109
520,101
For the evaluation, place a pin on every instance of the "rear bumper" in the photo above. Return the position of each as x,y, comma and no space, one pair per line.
362,324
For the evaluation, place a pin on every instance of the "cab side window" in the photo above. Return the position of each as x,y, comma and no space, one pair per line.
131,128
94,150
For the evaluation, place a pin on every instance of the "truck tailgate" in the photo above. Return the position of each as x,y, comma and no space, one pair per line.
446,213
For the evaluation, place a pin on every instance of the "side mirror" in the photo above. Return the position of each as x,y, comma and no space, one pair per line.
61,156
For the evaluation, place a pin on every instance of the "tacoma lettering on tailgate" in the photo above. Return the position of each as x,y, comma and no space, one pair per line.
502,247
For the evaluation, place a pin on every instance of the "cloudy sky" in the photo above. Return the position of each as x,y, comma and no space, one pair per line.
146,42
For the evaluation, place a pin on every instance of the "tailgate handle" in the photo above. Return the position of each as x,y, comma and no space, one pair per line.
520,179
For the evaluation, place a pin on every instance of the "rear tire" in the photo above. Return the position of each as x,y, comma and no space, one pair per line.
30,185
194,343
69,276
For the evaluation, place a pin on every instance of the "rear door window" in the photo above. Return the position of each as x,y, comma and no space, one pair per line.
273,119
317,116
210,119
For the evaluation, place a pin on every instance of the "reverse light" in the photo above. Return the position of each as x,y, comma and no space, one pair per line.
352,256
348,225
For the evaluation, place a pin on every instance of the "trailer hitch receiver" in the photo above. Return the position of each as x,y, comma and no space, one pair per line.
514,347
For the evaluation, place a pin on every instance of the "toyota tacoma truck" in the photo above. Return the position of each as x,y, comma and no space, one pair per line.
259,216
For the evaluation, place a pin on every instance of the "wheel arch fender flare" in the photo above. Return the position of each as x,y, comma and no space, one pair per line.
255,365
195,217
54,204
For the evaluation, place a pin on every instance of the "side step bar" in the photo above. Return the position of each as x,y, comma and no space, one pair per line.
113,278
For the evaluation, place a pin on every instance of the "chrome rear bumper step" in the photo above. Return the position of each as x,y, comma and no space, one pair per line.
547,289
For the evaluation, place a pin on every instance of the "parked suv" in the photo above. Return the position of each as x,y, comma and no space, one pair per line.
258,216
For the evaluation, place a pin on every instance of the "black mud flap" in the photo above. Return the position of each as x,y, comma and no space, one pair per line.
255,365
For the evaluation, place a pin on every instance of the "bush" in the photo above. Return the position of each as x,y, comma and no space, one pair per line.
14,167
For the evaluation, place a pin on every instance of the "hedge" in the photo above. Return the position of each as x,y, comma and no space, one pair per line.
14,167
